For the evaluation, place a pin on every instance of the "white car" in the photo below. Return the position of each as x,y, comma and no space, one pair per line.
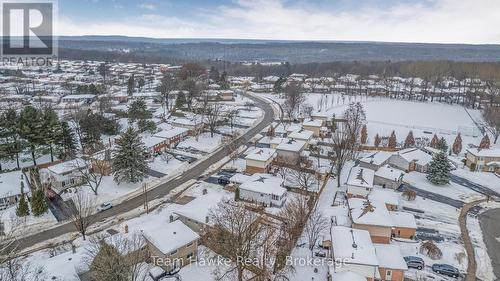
104,207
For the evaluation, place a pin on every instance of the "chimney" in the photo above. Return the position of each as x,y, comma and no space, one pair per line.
207,219
171,218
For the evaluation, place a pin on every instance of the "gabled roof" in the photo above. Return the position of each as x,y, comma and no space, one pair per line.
353,245
362,177
171,236
261,154
367,212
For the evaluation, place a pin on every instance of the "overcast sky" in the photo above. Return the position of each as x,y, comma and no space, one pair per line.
433,21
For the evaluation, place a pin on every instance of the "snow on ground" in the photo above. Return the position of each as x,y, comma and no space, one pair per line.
25,160
162,165
15,225
451,190
205,143
489,180
484,269
108,191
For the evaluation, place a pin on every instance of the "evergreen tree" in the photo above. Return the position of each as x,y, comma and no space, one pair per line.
180,101
278,85
410,140
237,194
485,142
31,128
439,169
364,134
392,140
10,137
442,145
434,141
138,110
130,85
457,144
39,204
66,141
129,163
377,140
22,207
52,129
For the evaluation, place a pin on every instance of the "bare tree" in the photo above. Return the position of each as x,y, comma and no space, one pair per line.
491,115
213,116
303,179
117,258
294,99
345,140
316,224
236,234
168,84
80,211
91,172
232,117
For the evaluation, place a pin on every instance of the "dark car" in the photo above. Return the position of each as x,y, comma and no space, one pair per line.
446,269
415,262
223,181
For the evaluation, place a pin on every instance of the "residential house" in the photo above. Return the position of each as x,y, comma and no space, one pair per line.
301,135
485,160
388,197
404,225
411,159
171,245
172,136
313,125
355,248
260,160
290,151
360,182
10,188
195,214
388,177
391,263
264,190
375,160
372,217
64,175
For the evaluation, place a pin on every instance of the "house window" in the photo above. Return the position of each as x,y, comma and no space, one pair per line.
173,252
189,245
388,274
189,256
63,183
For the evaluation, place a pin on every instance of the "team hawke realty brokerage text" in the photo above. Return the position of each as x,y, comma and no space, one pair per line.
28,32
221,261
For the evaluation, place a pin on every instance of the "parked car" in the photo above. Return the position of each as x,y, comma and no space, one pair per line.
104,207
415,262
223,181
446,269
320,254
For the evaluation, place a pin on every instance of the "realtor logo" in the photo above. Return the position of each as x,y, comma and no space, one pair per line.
28,29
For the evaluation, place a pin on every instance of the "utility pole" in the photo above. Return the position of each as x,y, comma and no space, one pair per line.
145,192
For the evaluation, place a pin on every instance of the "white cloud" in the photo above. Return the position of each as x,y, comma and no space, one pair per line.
150,7
440,21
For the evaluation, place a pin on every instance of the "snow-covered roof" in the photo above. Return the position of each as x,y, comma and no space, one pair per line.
353,245
485,152
416,154
10,184
369,213
388,172
292,145
385,196
347,276
68,166
261,154
151,141
402,219
171,133
301,135
362,177
199,208
240,178
266,185
376,158
169,237
389,256
312,123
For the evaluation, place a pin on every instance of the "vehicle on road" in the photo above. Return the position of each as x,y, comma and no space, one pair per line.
320,254
446,269
223,181
104,207
414,262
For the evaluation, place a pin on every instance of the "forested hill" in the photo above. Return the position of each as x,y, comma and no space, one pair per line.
167,50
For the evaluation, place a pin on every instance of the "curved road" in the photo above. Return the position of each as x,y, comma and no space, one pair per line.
159,191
